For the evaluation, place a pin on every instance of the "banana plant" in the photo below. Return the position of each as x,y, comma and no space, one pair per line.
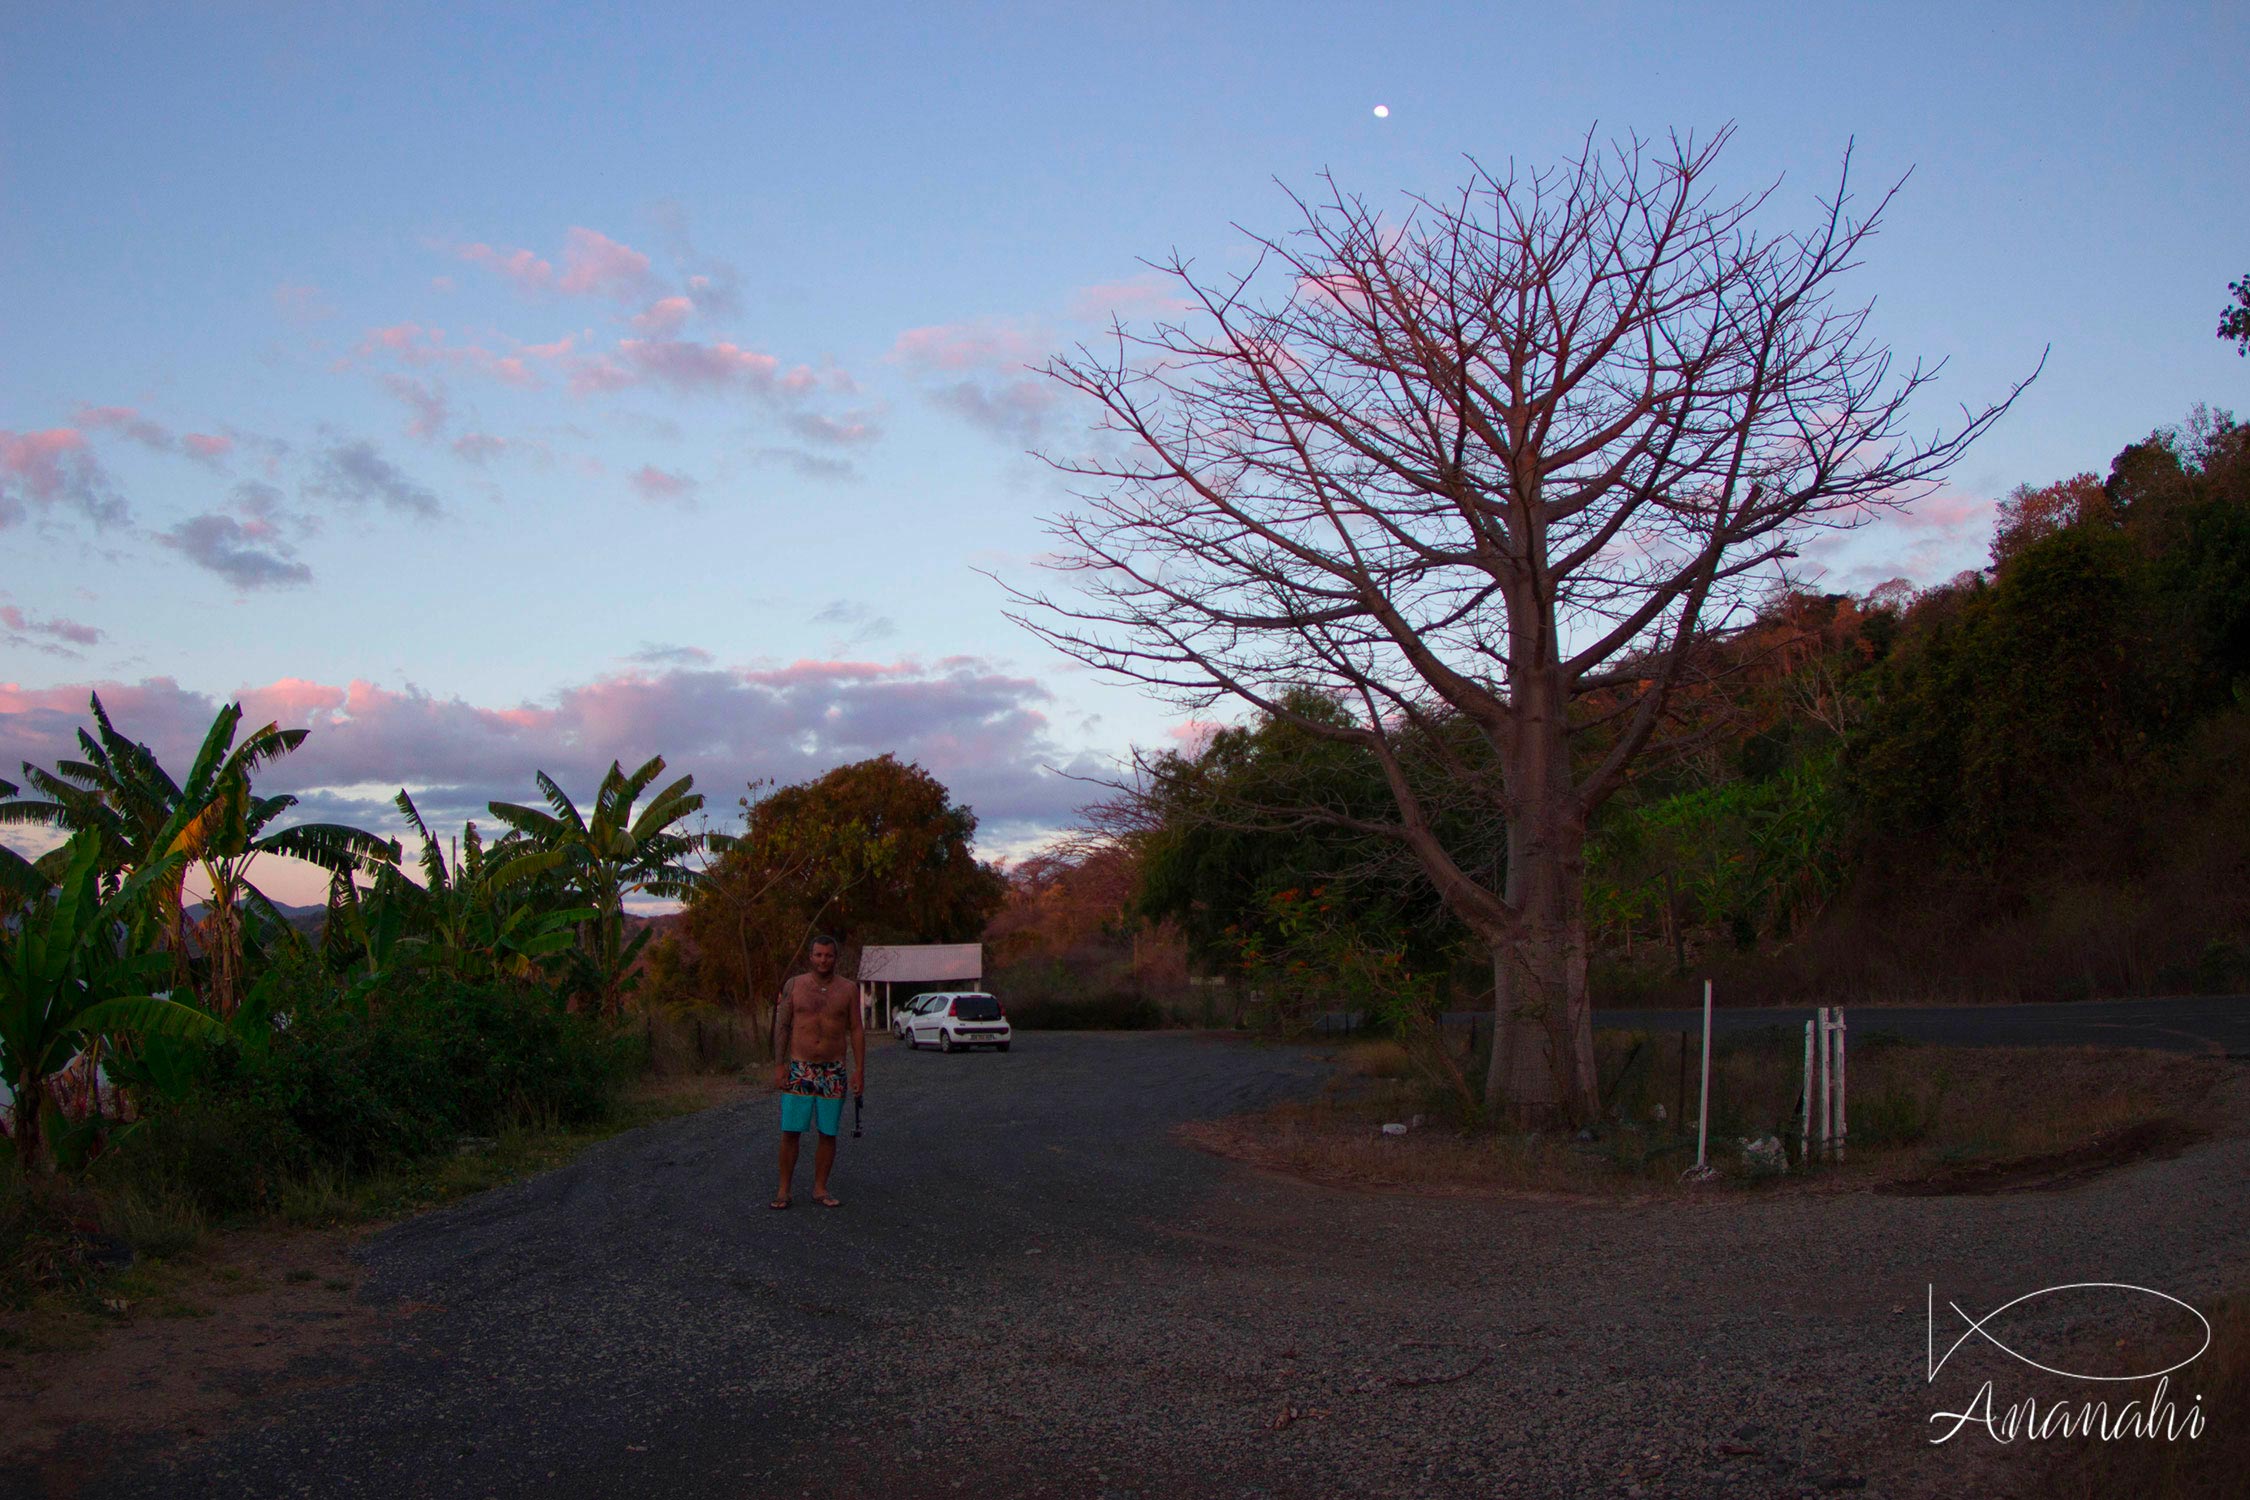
21,882
480,914
122,795
66,977
614,854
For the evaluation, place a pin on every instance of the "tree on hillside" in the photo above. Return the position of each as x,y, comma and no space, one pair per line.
1513,457
877,851
2234,320
1268,808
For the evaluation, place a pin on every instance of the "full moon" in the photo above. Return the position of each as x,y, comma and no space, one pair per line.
1382,111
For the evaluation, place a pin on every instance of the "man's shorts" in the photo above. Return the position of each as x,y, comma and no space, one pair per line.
815,1091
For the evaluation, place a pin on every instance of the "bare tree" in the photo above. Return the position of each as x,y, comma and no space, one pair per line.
1512,458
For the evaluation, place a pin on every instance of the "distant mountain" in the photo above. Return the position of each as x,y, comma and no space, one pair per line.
306,919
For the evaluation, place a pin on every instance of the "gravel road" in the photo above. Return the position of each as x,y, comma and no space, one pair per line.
1032,1290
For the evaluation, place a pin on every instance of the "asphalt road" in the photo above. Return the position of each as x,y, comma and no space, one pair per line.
1034,1290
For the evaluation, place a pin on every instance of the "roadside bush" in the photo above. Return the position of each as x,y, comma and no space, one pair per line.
345,1090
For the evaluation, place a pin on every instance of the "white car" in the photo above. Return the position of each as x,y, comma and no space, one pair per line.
906,1013
953,1020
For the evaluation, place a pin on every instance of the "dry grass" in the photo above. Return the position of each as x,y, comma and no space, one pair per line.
701,1038
1917,1113
1340,1144
1374,1059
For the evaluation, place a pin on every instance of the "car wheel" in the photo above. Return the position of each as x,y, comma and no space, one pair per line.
999,1046
945,1041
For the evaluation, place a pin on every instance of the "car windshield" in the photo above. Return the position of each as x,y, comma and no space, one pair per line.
976,1008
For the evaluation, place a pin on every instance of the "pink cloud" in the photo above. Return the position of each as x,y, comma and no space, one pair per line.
426,404
988,344
1016,410
210,448
981,730
54,467
125,422
413,344
1146,296
53,635
655,485
689,366
1191,735
1947,510
848,430
593,265
664,317
520,266
478,447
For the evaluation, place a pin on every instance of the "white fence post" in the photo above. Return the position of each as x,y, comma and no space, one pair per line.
1842,1130
1827,1099
1805,1129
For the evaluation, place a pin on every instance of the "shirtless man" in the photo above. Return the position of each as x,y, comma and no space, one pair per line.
818,1014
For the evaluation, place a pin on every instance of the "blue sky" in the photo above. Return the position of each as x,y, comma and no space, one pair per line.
493,388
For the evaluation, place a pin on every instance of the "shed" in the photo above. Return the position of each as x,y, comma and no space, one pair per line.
913,964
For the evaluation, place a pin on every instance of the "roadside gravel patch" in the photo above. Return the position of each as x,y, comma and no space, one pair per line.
1034,1290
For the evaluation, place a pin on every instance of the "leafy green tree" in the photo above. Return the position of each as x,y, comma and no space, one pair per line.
2234,321
876,851
68,976
1268,808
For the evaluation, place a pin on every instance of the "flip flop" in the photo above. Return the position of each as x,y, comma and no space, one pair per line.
778,1203
827,1201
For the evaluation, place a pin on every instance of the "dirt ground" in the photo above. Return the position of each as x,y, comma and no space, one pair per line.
257,1312
254,1312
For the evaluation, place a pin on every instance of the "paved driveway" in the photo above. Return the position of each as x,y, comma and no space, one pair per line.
1032,1290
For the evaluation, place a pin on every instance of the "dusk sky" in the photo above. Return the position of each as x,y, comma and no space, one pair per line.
497,389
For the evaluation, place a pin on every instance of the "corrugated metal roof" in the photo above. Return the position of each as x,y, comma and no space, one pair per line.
922,962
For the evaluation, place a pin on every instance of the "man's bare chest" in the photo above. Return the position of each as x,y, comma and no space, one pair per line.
814,1001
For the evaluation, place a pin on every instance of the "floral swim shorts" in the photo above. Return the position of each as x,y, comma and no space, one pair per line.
814,1093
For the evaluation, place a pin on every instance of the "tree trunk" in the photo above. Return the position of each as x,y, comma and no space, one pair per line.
1542,1069
30,1102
